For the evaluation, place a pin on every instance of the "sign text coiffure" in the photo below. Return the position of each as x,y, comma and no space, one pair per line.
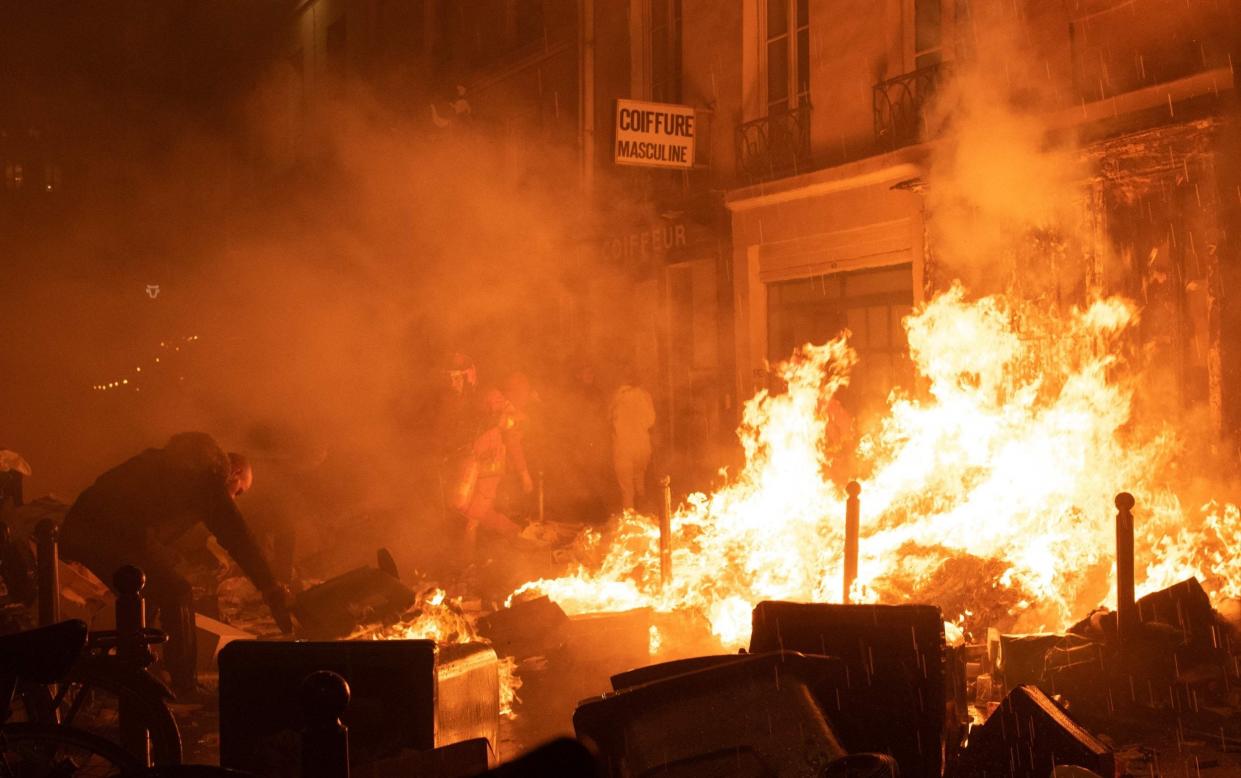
654,134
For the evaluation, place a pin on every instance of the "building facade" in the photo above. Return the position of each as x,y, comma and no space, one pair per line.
833,225
810,204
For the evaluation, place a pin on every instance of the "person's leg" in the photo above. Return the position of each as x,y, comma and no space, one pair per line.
169,594
483,513
641,461
623,465
166,592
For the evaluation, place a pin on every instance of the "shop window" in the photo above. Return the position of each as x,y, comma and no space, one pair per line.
870,304
666,51
787,54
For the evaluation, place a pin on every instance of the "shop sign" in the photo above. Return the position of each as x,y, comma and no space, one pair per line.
654,134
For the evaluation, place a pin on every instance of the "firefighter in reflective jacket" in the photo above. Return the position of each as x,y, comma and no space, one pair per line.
490,454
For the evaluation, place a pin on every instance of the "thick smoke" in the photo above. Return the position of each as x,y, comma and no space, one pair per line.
1005,193
1019,204
305,313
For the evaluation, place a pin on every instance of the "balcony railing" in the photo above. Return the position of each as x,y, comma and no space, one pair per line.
774,146
899,103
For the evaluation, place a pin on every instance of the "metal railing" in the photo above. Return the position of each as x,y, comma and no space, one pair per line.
774,146
899,104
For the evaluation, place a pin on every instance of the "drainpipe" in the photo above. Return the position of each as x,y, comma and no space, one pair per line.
586,91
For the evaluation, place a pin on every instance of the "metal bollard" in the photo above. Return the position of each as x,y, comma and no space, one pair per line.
131,650
852,519
665,534
541,497
14,569
325,739
1126,605
48,565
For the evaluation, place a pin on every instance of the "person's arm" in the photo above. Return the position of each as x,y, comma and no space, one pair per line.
514,444
229,527
231,531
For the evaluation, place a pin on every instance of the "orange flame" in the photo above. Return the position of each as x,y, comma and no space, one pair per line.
1009,457
436,617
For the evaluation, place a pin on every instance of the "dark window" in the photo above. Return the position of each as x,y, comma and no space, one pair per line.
963,31
400,28
666,51
928,33
788,54
486,23
528,24
1114,53
336,51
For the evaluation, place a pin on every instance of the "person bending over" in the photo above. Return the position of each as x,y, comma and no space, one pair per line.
133,511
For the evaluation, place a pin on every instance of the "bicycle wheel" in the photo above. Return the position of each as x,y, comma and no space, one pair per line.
42,751
89,699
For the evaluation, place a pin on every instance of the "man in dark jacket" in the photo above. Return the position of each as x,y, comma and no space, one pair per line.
131,513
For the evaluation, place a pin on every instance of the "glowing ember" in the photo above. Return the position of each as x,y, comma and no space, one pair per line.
436,617
997,479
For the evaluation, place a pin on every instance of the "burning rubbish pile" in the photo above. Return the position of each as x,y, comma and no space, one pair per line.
373,603
1001,470
986,494
985,530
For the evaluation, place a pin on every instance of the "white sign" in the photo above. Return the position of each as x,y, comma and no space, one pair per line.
654,134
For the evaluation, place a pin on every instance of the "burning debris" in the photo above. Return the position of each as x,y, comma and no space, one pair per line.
1007,458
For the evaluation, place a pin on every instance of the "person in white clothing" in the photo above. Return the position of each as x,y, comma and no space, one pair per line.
632,414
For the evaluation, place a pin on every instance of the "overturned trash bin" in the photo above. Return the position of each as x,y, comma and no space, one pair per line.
895,698
405,694
756,715
1027,737
337,607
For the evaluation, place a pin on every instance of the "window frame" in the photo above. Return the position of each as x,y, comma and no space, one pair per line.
672,31
956,34
795,96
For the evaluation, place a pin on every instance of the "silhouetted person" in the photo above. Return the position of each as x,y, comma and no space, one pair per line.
131,512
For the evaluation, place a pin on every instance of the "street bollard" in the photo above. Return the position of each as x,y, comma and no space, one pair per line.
48,566
325,739
852,519
132,651
1126,606
665,534
541,497
15,570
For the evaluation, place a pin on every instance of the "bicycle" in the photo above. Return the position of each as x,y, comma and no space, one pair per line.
89,694
41,750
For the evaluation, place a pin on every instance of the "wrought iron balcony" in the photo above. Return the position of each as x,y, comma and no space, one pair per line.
774,146
899,104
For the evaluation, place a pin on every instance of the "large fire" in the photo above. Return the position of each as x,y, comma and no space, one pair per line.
988,490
